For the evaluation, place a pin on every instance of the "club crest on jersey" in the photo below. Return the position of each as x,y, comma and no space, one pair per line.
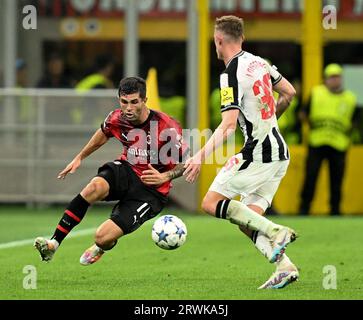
148,138
226,96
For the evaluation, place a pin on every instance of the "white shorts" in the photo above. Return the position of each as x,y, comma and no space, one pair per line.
256,182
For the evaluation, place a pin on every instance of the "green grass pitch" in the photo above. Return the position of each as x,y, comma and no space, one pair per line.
216,262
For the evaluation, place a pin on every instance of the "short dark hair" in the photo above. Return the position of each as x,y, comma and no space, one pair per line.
231,26
132,85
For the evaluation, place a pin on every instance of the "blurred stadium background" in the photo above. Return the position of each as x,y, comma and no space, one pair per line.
42,129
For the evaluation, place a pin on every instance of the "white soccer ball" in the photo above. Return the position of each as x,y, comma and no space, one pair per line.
169,232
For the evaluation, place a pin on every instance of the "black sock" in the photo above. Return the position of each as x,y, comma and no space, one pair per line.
221,210
73,215
106,248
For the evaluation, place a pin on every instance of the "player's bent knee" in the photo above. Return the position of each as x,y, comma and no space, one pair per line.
95,190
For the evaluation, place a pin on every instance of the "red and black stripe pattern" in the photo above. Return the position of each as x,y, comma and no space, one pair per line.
72,216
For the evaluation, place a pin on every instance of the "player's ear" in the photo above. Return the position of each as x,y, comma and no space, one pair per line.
145,100
220,40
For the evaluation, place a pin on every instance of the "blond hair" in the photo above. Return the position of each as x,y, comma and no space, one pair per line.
231,26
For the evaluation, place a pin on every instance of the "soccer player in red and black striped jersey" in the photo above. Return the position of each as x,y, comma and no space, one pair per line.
153,150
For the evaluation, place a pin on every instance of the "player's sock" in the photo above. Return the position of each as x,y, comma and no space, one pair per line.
106,248
263,244
72,216
284,263
238,213
55,243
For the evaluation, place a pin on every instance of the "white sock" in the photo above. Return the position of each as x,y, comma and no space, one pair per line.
55,243
263,244
284,263
238,213
99,248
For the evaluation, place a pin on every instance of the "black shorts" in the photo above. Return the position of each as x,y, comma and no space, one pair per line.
137,202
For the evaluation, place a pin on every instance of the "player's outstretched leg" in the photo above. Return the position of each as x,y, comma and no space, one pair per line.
72,216
96,190
105,239
240,214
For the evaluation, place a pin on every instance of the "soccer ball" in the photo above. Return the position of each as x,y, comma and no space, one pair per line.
169,232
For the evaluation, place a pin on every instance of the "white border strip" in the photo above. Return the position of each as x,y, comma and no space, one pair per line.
25,242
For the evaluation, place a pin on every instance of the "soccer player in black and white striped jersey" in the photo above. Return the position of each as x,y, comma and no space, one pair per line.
247,86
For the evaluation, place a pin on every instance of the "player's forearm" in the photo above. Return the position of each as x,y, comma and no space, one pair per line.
220,135
176,172
282,104
286,93
97,140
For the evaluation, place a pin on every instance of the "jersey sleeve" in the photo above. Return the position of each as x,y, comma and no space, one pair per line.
229,87
276,76
108,125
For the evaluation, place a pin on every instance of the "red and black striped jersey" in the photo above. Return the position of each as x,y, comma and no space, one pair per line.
158,141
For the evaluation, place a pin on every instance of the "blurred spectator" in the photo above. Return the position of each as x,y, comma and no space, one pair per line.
101,78
54,76
21,74
329,113
26,112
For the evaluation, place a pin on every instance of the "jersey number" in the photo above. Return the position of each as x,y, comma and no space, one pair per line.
263,90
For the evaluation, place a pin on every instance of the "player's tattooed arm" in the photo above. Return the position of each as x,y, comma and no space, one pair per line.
176,172
153,177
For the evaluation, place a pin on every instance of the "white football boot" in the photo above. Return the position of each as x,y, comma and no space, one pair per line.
279,242
46,248
91,255
281,278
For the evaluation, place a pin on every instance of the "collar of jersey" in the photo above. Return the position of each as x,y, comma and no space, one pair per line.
235,56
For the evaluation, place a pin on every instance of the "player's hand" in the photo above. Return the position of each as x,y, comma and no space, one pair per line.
70,168
153,177
192,169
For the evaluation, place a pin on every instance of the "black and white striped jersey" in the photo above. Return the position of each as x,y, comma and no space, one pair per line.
246,85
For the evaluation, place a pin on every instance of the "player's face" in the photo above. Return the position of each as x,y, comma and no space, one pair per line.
218,40
132,106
